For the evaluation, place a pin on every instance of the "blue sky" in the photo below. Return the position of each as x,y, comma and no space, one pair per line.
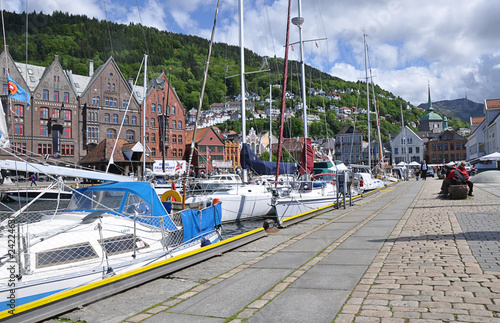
451,44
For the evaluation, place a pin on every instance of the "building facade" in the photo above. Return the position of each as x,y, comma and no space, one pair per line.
407,146
447,146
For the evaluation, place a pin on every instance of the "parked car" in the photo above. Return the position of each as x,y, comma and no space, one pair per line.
431,172
470,169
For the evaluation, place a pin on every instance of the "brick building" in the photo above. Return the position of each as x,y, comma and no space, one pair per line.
447,146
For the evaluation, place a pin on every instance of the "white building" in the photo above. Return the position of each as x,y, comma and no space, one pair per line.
407,146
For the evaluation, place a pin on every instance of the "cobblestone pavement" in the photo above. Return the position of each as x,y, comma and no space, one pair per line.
440,264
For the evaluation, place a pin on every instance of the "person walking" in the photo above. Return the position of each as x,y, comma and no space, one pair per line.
33,179
423,169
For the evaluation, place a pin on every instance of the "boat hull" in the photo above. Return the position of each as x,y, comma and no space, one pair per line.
28,195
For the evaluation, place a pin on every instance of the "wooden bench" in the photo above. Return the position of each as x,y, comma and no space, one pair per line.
458,191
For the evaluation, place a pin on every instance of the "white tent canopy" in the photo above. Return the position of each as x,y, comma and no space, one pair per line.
493,156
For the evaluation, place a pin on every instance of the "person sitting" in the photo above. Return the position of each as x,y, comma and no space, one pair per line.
456,176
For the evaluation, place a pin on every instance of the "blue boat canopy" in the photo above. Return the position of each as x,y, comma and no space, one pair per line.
249,160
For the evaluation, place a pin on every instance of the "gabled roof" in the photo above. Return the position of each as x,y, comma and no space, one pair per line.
456,136
200,134
476,120
348,129
492,104
102,152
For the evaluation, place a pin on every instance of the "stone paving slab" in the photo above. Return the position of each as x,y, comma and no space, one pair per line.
343,277
226,298
302,305
285,260
342,256
180,318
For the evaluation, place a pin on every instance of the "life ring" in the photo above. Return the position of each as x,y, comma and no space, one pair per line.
171,193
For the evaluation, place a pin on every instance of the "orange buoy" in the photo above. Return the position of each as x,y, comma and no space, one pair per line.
216,200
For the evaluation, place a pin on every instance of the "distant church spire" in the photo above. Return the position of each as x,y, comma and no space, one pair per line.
429,107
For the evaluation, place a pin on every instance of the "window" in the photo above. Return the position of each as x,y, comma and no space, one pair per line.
440,147
463,146
174,124
179,153
126,120
152,122
66,96
172,109
67,150
56,113
410,150
458,146
44,131
134,120
106,117
44,113
46,95
167,110
174,153
146,122
452,146
153,137
66,132
445,146
92,132
19,110
18,129
111,133
417,150
5,88
179,124
115,118
109,86
146,138
115,103
44,149
106,101
113,87
18,148
159,108
153,151
56,95
396,151
433,147
179,139
174,139
129,135
97,100
66,115
125,103
153,107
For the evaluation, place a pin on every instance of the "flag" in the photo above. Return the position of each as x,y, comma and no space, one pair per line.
178,166
292,48
16,92
208,153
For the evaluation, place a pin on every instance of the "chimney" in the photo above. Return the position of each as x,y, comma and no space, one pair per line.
91,67
56,58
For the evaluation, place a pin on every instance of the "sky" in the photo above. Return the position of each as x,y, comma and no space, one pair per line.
451,45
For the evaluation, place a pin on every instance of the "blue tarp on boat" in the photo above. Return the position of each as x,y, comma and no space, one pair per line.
249,160
197,223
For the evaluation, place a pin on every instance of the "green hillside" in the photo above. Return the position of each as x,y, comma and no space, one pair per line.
78,39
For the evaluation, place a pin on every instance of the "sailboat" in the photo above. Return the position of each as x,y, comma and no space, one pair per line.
244,201
306,196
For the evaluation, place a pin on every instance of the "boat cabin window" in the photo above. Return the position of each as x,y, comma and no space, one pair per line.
65,255
135,205
96,200
122,244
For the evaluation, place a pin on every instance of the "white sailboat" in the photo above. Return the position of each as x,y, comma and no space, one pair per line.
241,201
303,196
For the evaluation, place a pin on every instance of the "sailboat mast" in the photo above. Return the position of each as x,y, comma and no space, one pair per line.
144,117
242,78
298,21
270,122
367,102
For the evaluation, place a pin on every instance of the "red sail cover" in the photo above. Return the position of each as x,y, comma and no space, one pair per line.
307,157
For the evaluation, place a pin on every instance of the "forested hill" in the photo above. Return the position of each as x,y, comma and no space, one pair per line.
78,39
460,108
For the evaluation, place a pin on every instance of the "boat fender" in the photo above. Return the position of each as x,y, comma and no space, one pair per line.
171,193
216,200
361,182
268,224
205,242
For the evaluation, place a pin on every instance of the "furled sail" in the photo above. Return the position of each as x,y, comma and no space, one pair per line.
249,160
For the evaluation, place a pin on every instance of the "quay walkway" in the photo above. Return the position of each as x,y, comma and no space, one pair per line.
399,255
